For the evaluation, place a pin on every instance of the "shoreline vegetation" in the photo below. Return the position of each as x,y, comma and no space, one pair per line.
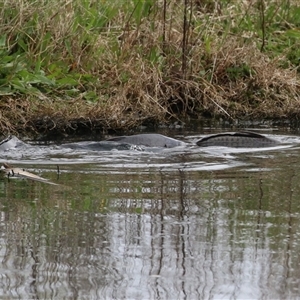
69,66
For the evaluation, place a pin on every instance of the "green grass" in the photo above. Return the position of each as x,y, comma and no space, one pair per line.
125,62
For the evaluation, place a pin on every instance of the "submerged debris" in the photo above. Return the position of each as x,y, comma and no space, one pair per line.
10,171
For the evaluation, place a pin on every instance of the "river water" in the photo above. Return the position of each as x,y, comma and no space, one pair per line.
184,223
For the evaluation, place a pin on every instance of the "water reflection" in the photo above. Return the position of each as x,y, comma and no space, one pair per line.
132,232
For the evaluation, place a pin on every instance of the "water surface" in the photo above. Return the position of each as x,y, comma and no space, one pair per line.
185,223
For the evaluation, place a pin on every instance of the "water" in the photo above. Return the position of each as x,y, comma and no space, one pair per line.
190,223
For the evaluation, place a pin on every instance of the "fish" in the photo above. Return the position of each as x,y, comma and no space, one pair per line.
10,171
242,139
148,140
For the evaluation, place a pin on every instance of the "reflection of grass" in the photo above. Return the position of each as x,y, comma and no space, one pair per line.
234,200
78,64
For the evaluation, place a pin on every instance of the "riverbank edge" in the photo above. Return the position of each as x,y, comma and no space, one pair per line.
32,116
71,67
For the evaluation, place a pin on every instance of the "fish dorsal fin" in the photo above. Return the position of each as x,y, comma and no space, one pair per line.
250,134
240,139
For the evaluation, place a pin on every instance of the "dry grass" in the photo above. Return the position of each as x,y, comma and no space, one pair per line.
257,87
118,66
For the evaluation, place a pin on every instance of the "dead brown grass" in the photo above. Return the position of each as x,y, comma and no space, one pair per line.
148,95
267,91
149,71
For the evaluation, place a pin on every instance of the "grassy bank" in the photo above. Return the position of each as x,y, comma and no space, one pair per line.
71,65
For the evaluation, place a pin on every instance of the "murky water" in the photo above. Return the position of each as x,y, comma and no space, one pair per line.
186,223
